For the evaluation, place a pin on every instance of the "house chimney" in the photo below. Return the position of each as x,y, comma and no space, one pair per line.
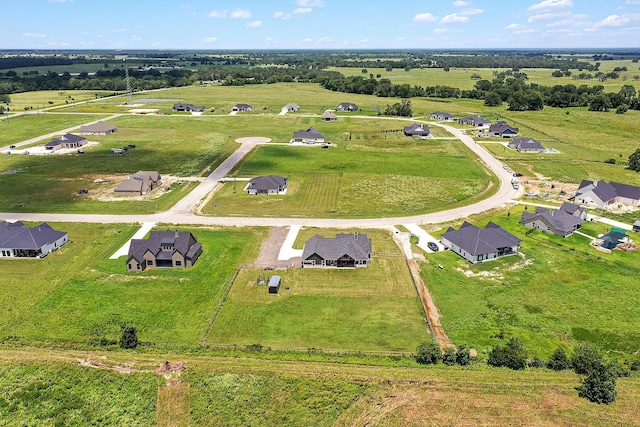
176,235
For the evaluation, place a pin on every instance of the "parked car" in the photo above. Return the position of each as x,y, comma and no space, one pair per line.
83,191
12,146
80,151
517,174
433,246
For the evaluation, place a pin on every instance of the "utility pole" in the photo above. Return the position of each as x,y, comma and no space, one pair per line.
126,75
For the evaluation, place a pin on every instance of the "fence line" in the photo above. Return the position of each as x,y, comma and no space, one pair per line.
220,303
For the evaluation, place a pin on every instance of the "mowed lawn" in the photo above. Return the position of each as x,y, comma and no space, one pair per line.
51,98
374,308
78,294
556,293
22,128
370,171
172,147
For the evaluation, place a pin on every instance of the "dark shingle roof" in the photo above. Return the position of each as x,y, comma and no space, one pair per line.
525,144
67,138
355,245
571,208
558,219
477,120
185,243
441,114
607,191
628,191
347,106
478,241
266,183
16,236
502,127
308,133
416,129
98,127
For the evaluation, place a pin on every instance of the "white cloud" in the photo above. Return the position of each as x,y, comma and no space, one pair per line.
310,3
254,24
325,39
136,38
512,26
547,16
550,4
119,30
307,40
425,17
218,13
454,18
618,21
525,31
35,35
281,15
460,3
210,40
440,30
302,10
470,12
241,14
633,2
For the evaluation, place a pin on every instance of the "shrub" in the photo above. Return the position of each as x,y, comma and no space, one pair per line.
536,362
622,108
599,386
449,357
585,359
559,360
129,337
428,353
610,161
463,357
512,355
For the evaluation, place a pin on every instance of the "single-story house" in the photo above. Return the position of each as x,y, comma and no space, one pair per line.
417,130
636,227
189,108
601,194
439,115
68,140
476,244
270,184
476,121
328,116
274,284
347,107
526,145
291,108
18,241
99,128
164,249
308,136
344,250
555,221
503,130
141,182
242,107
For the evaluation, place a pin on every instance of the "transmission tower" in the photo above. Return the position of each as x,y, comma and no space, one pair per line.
126,75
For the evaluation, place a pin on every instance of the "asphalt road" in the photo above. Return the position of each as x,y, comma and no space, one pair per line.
182,212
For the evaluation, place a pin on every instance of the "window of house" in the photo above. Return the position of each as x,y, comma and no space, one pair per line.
178,262
149,262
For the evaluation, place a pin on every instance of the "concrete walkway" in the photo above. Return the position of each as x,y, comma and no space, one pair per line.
423,237
286,251
124,250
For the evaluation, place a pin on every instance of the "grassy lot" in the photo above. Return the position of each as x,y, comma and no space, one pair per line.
64,394
78,294
51,98
558,292
369,173
585,140
51,183
374,308
25,127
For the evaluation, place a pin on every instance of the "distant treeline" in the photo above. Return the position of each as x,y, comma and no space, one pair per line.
33,61
507,86
238,76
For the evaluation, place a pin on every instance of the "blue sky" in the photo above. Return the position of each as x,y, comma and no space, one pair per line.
318,24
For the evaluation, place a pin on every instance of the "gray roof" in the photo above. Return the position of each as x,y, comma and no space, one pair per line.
572,208
153,176
416,129
98,127
478,241
328,115
502,127
16,236
67,138
604,190
347,106
189,107
557,219
292,106
441,114
628,191
266,183
184,242
310,133
477,120
525,144
354,245
132,185
244,106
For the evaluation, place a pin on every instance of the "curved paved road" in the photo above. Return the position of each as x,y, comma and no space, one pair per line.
182,213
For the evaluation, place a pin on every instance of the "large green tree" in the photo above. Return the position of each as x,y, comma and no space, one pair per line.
599,385
634,161
511,355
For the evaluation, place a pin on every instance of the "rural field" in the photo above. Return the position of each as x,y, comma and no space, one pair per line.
52,98
77,294
557,292
374,308
369,173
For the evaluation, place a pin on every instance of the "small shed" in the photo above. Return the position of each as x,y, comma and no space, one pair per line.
636,226
274,284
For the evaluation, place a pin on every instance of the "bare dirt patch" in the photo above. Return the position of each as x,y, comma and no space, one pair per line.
108,183
268,256
254,139
127,368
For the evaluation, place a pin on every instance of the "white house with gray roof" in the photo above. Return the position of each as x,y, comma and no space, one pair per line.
308,136
476,121
68,140
602,194
526,145
476,244
346,107
18,241
270,184
554,221
443,117
346,250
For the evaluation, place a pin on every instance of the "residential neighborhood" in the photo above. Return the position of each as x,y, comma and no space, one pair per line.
345,250
164,249
19,241
477,244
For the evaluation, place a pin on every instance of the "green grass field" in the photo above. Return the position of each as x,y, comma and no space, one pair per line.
78,294
369,173
25,127
557,293
52,98
374,308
